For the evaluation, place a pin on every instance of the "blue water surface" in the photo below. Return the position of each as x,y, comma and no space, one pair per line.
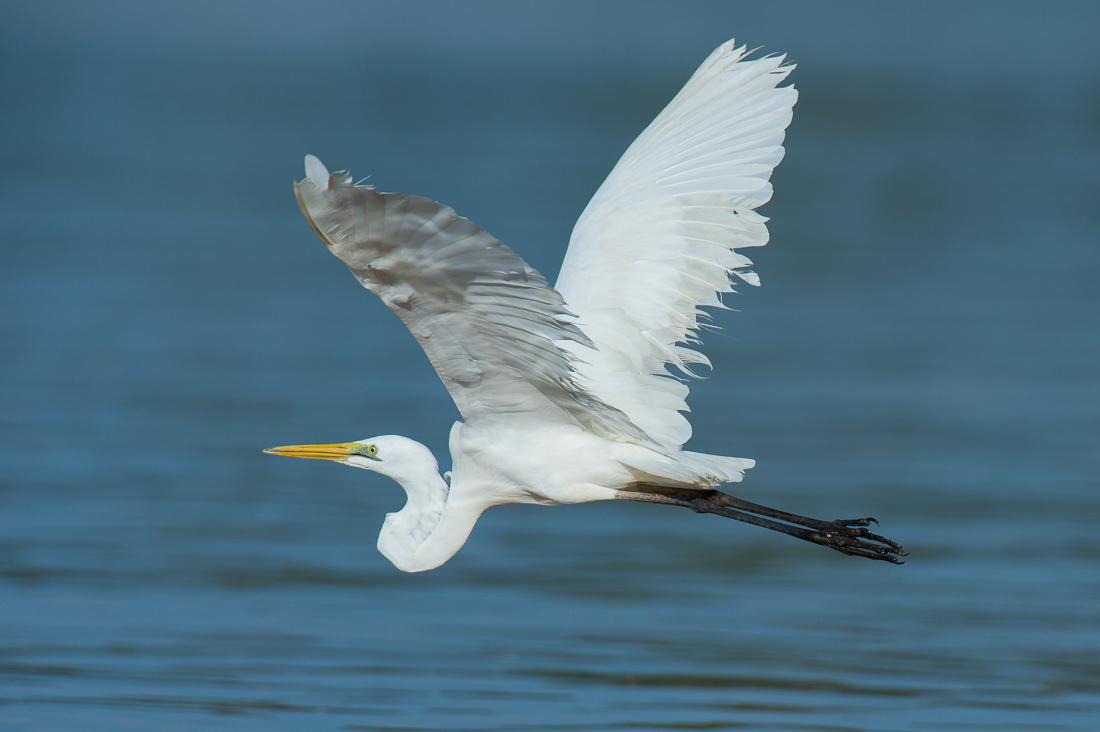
925,348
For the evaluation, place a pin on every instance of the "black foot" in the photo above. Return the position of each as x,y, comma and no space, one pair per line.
852,537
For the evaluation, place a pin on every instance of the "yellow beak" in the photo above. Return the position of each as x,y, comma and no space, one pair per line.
338,451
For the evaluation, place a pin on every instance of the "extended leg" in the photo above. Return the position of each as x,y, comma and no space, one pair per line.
848,536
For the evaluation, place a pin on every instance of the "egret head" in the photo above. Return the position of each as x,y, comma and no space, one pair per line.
393,456
405,535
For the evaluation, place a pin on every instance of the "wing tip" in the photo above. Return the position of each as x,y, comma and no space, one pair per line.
317,172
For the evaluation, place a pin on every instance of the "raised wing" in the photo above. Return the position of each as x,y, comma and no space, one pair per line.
490,324
657,239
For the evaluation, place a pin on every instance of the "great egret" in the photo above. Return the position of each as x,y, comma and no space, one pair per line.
563,391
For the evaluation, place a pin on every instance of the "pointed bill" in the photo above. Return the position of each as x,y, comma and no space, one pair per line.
339,451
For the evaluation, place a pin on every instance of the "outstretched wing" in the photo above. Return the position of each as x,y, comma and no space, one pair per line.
491,325
657,240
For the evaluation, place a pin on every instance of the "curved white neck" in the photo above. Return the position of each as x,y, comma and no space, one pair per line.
430,528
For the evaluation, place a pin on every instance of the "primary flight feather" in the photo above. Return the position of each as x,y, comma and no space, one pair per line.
565,392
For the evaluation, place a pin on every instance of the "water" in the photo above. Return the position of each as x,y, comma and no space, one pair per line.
923,349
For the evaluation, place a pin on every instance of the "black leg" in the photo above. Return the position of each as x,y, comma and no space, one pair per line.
847,536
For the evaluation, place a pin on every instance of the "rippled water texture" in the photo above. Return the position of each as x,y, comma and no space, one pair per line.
924,349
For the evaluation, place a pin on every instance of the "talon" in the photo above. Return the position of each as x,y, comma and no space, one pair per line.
857,522
852,538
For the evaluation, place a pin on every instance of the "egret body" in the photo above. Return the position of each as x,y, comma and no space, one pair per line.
565,392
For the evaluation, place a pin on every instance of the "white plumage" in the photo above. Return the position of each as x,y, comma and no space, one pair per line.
658,238
565,393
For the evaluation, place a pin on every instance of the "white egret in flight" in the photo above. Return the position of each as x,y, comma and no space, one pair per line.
564,392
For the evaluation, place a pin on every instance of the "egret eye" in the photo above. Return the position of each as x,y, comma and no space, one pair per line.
372,450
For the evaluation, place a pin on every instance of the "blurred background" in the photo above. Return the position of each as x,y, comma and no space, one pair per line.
924,348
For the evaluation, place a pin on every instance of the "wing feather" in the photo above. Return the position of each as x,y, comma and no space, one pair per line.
657,240
491,325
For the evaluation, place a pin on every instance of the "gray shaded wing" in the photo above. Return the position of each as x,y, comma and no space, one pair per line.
489,323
